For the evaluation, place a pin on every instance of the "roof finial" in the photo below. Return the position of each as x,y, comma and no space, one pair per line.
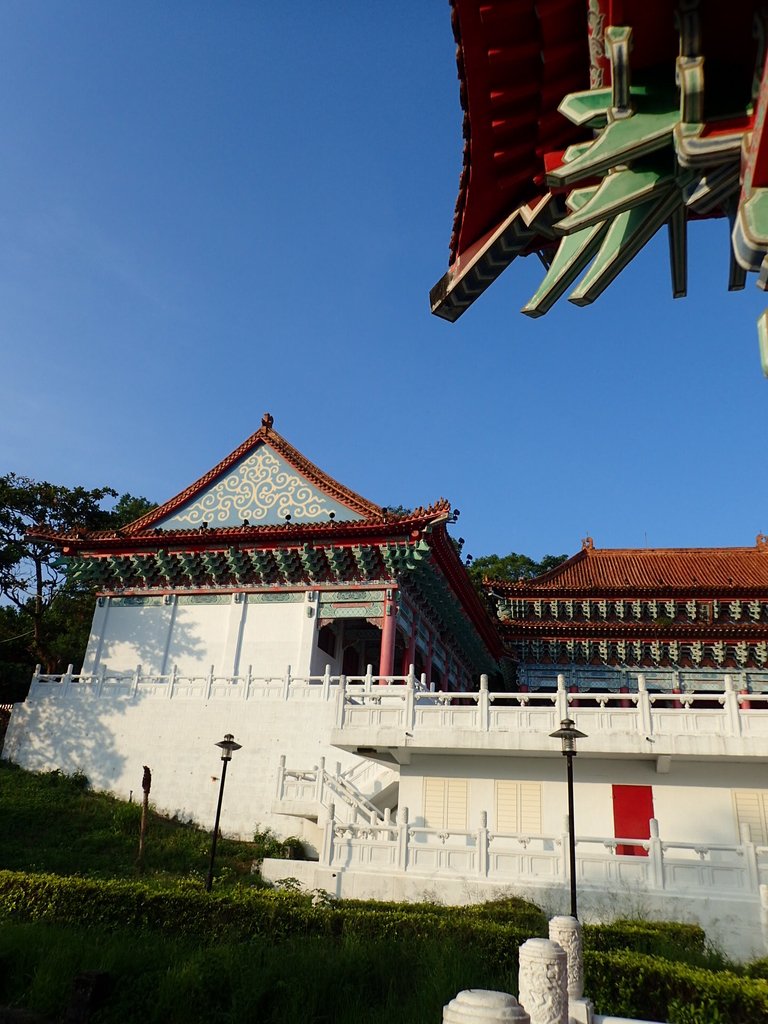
761,541
587,544
267,420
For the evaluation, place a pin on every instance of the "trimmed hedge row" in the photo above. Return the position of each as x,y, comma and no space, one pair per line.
238,914
622,981
646,937
647,987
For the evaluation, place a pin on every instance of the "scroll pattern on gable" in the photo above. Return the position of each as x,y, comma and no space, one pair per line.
261,489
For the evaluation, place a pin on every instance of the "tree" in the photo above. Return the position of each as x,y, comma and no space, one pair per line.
41,609
511,567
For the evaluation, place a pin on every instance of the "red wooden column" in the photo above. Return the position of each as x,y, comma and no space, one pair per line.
388,633
428,666
410,654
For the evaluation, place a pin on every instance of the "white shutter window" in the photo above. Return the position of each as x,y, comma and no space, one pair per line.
434,803
445,804
752,809
456,804
518,807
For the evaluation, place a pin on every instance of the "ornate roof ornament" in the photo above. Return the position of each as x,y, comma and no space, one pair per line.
674,127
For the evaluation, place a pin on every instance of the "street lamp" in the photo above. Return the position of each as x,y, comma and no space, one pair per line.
228,746
568,734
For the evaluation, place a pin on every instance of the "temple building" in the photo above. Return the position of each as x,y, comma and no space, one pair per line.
682,617
402,729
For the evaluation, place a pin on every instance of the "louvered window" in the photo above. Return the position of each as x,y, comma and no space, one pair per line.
752,809
518,807
445,804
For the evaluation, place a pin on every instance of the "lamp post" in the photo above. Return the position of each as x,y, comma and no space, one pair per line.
568,734
228,746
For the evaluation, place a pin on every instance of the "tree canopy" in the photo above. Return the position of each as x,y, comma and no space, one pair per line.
511,567
43,617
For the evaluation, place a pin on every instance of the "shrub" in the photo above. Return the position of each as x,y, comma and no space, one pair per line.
647,987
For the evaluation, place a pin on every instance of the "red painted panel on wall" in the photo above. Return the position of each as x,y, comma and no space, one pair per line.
632,811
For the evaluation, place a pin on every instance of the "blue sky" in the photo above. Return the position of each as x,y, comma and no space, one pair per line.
210,210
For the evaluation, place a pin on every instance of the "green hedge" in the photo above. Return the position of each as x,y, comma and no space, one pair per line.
647,987
620,981
646,937
238,914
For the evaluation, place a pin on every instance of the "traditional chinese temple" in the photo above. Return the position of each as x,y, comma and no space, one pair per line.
395,724
591,124
266,544
681,616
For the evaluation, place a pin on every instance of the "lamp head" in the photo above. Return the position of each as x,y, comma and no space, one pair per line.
568,734
228,747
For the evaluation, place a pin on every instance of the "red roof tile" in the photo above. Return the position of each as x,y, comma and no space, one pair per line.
649,570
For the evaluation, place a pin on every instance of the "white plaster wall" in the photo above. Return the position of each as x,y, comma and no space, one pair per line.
110,738
275,636
128,636
230,636
693,803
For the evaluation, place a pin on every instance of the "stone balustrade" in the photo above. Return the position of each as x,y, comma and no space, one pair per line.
735,870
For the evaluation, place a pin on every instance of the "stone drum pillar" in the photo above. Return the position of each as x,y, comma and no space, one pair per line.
483,1006
566,932
543,981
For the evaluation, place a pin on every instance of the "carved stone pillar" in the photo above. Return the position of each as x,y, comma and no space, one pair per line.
566,932
543,981
483,1006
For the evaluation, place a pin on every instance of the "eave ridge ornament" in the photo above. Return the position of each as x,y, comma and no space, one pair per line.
653,154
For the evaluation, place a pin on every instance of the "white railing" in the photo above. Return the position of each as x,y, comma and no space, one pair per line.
646,714
211,686
719,869
316,788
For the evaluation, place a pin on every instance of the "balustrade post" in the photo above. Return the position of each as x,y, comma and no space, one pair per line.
36,678
410,702
341,700
248,683
136,679
482,845
327,682
402,839
543,981
484,1006
732,707
750,858
484,705
644,707
328,836
209,683
562,698
287,683
281,777
102,676
388,822
566,932
67,680
368,685
320,781
655,855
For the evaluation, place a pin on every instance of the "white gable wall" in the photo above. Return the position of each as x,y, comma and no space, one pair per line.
267,632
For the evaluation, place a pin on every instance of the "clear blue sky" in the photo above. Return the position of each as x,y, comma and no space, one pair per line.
212,209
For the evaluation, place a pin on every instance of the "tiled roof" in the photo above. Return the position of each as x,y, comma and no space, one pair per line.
282,534
515,63
649,570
